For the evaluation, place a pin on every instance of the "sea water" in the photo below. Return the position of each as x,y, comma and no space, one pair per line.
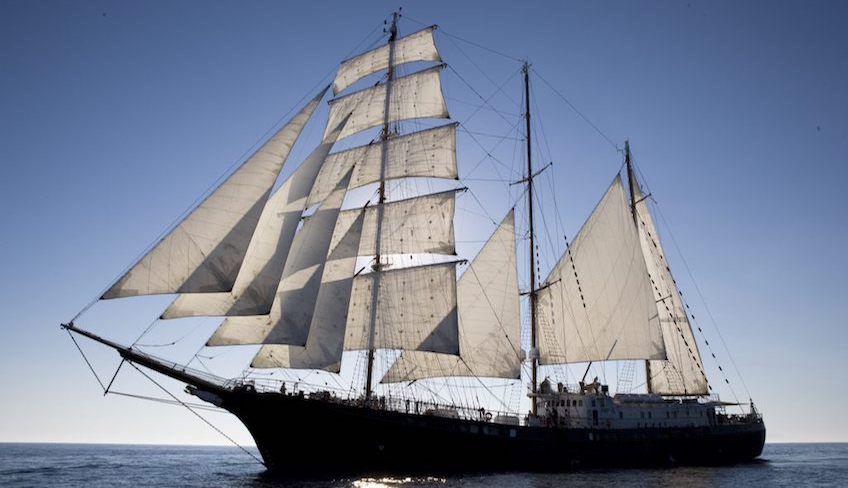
100,465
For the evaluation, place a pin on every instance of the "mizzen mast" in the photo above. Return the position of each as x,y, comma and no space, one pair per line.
384,137
532,291
631,184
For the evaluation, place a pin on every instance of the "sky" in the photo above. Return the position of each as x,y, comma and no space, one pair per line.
116,116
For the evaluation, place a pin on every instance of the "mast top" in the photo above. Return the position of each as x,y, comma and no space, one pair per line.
393,28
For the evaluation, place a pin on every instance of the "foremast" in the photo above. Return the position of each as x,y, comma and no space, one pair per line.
384,137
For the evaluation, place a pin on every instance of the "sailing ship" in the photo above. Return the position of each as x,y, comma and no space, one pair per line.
284,268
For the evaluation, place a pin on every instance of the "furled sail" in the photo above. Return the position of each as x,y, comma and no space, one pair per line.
204,252
683,372
414,96
256,283
418,46
294,303
415,310
324,345
489,321
428,153
414,225
597,303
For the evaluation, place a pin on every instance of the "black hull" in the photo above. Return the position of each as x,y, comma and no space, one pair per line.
300,437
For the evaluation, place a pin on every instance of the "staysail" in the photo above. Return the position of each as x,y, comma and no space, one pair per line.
597,303
256,283
324,345
204,252
297,291
683,372
489,321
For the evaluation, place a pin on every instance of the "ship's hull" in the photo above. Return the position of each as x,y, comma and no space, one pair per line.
301,437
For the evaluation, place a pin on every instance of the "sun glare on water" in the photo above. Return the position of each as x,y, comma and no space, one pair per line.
392,482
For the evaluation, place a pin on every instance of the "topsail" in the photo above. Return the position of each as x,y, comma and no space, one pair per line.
418,46
414,96
415,309
429,153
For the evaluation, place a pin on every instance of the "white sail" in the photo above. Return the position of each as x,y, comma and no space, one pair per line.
489,321
418,46
294,302
415,310
414,96
323,349
415,225
256,283
428,153
597,303
683,372
204,252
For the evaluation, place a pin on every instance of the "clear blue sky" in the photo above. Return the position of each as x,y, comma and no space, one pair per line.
116,115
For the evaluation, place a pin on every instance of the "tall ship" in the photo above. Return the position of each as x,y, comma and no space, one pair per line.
348,269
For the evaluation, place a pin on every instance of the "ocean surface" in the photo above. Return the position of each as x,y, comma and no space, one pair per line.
100,465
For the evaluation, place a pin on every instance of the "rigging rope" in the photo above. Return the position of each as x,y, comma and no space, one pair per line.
442,31
578,112
706,308
190,409
87,362
168,402
687,310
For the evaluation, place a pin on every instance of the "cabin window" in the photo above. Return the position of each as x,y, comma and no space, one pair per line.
667,414
593,403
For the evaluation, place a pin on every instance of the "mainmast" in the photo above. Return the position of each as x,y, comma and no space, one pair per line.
631,184
377,266
532,292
